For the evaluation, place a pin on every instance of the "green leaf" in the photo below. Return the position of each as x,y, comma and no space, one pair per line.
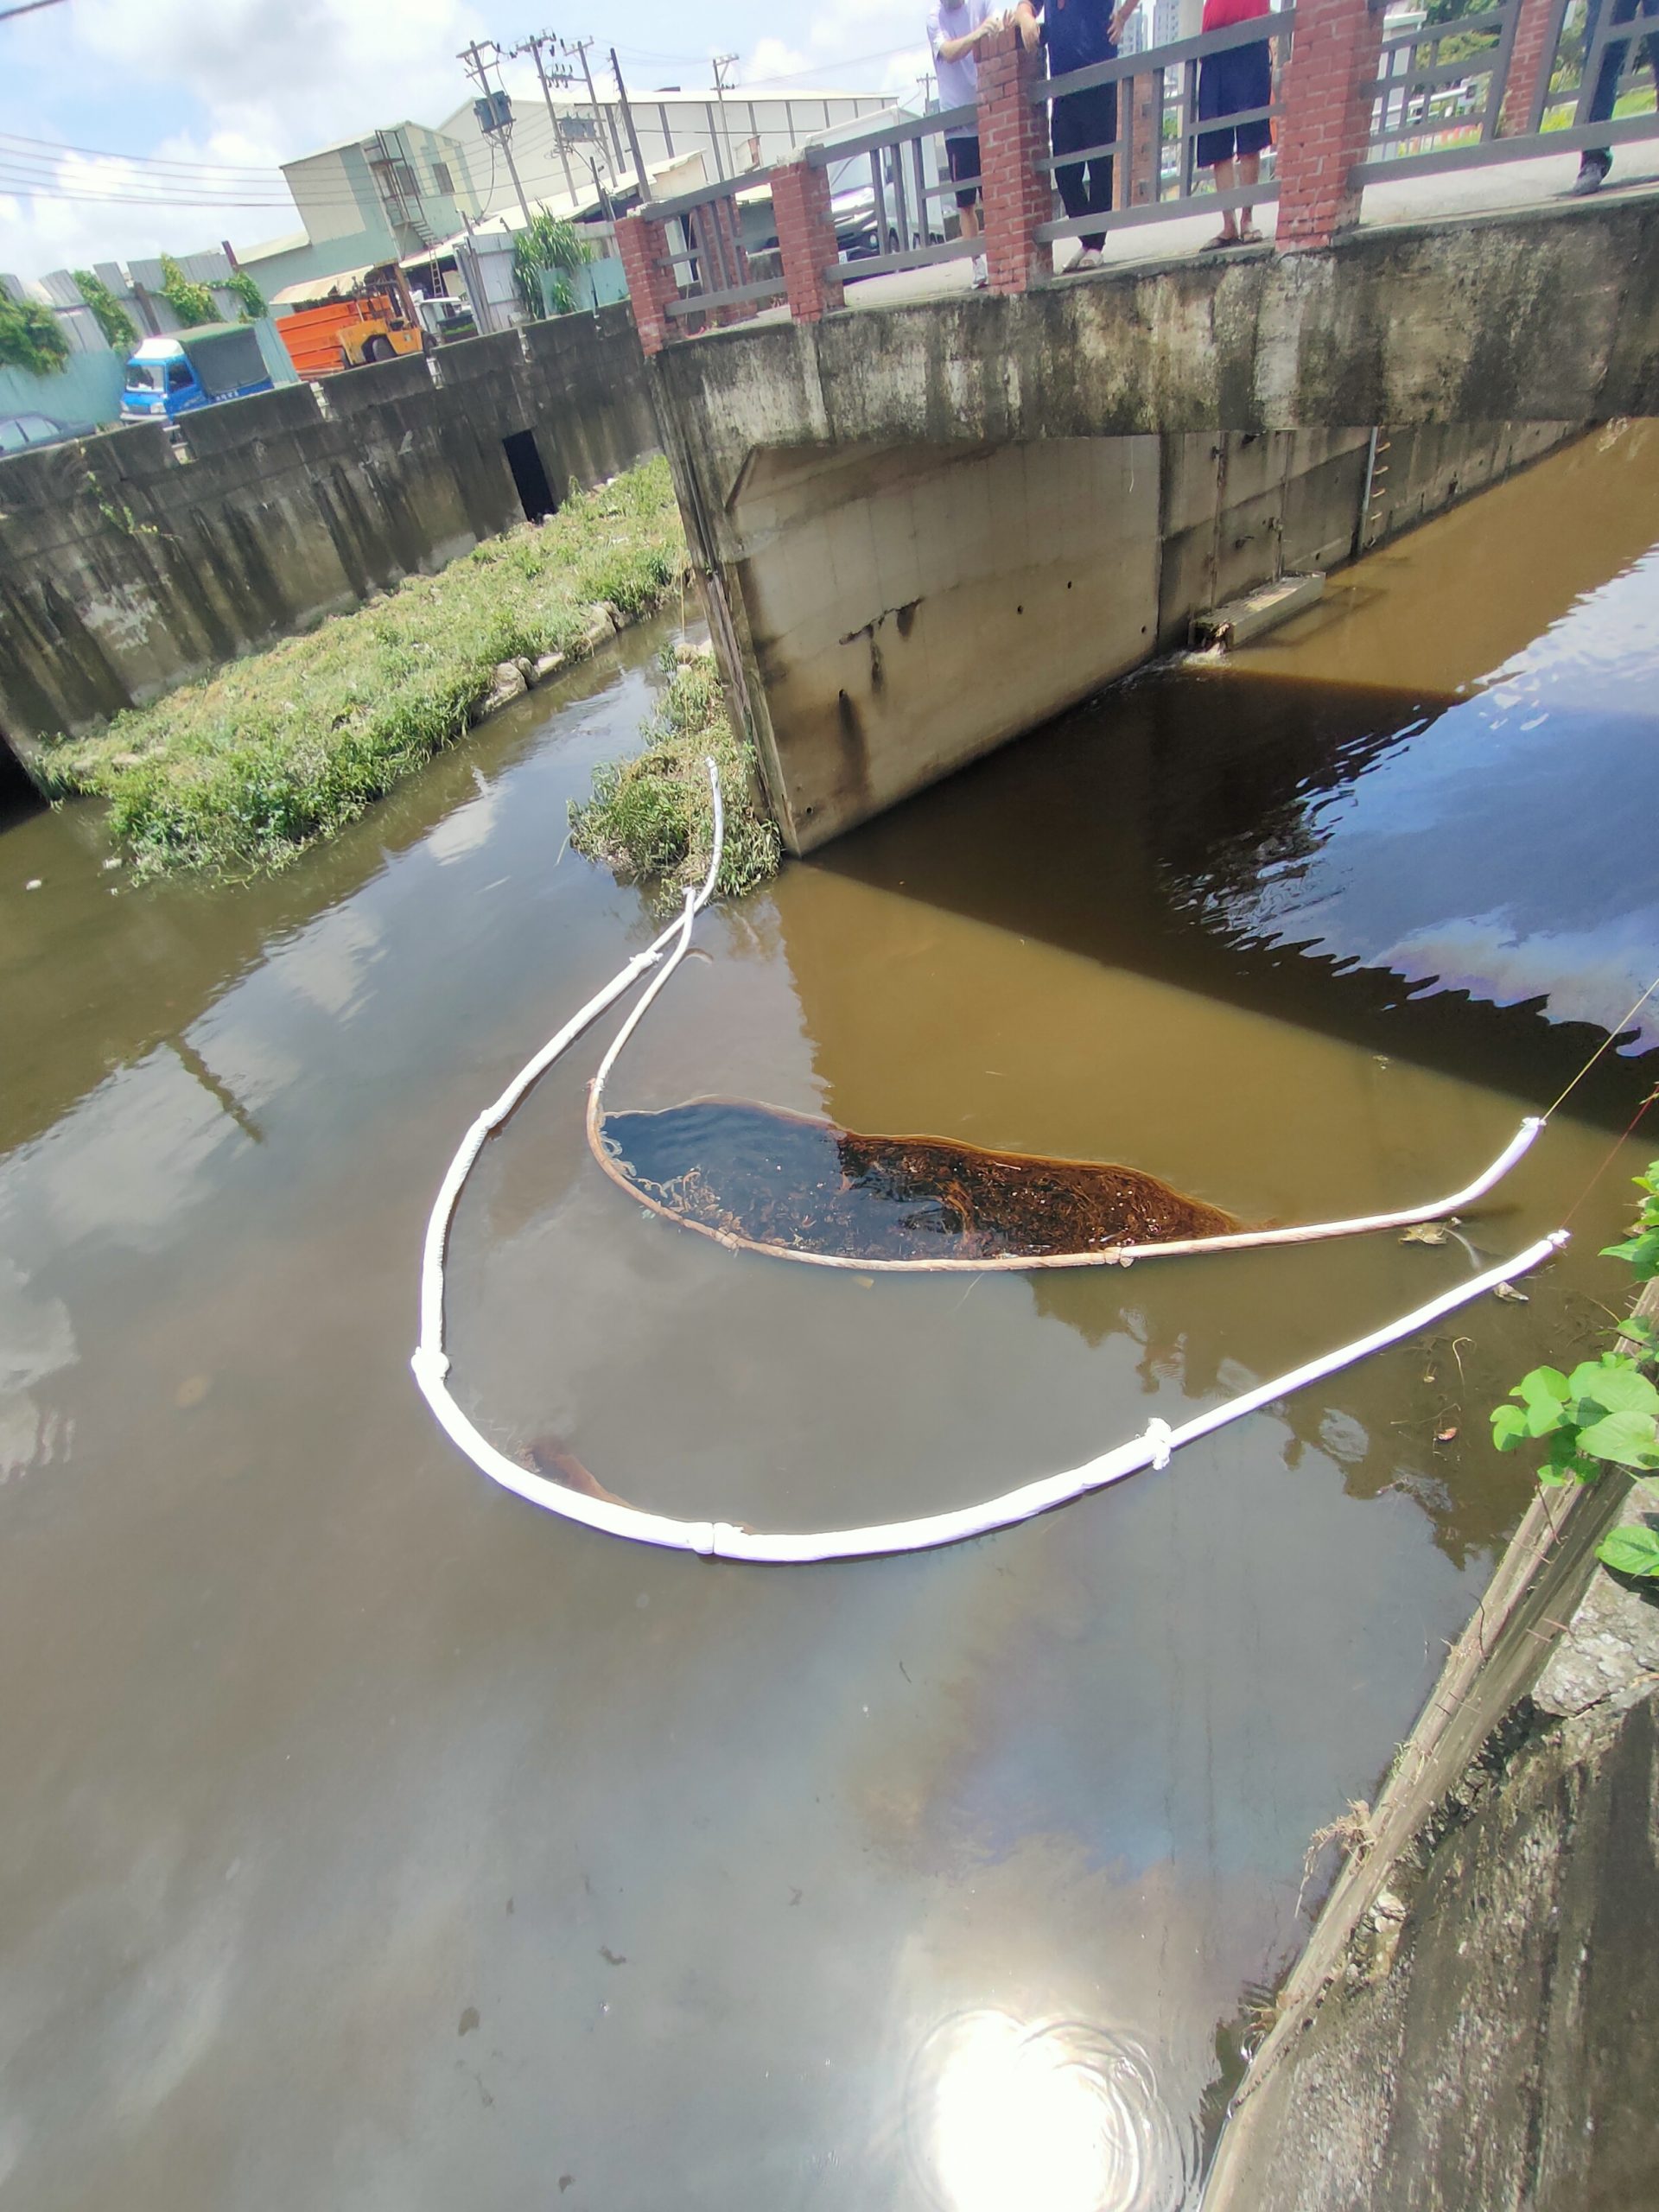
1544,1394
1508,1427
1630,1551
1627,1439
1542,1383
1640,1252
1612,1385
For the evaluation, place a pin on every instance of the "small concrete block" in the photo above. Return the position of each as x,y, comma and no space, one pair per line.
1257,612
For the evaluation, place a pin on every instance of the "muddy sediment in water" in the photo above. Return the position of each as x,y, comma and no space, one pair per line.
794,1183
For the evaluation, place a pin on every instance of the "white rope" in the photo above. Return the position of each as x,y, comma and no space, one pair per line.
721,1538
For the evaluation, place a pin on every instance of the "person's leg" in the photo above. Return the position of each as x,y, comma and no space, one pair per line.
1216,147
1100,169
1066,136
1225,177
1252,90
963,156
1596,160
1092,121
1249,174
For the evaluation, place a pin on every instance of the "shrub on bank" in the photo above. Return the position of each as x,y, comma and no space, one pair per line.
652,817
272,752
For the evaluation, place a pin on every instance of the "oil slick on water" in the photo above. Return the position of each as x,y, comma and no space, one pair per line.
794,1182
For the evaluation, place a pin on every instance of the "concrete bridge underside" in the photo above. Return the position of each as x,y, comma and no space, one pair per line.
926,528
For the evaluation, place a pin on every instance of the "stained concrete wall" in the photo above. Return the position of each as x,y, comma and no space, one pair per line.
887,614
1492,2037
126,570
1546,315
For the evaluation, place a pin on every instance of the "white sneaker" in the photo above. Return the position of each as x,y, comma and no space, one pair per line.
1091,257
982,274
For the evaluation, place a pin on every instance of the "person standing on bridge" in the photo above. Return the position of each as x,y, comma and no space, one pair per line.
1235,83
954,31
1596,160
1078,33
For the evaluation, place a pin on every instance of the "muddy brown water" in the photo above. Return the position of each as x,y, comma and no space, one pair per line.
372,1838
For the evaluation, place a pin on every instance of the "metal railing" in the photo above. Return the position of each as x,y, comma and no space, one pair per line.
1480,88
1416,96
1173,69
710,260
1431,116
907,233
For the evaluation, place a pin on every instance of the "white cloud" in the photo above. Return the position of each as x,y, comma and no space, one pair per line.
876,42
271,83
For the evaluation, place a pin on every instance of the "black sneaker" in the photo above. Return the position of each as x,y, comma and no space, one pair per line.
1593,174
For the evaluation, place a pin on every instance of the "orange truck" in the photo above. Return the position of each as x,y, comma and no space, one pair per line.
368,317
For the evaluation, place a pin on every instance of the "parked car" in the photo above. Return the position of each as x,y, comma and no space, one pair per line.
173,376
18,433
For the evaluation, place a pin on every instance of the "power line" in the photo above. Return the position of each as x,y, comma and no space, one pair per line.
28,7
37,149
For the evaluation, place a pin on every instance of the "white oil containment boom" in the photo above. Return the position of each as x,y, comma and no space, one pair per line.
724,1540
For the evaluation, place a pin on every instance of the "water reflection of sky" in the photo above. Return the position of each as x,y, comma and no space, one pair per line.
1507,850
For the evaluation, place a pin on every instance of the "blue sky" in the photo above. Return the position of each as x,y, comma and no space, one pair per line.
248,82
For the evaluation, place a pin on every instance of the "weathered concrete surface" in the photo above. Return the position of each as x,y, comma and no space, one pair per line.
926,526
1475,2022
1493,2039
886,613
125,570
1548,316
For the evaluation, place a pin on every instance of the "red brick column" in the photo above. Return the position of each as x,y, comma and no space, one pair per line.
643,246
1530,58
806,240
1327,120
1133,181
1012,139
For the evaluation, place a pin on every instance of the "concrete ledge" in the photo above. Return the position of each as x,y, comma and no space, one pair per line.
1258,612
1547,315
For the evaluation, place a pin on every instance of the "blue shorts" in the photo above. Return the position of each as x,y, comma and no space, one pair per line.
1234,82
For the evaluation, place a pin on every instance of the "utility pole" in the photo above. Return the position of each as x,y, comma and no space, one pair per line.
579,48
634,136
533,46
478,70
722,62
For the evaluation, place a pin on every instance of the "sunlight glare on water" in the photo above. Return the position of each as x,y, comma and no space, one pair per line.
1059,2116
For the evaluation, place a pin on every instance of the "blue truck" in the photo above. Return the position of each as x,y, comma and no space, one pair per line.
173,376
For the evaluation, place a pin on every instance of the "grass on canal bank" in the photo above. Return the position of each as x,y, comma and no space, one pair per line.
652,817
241,771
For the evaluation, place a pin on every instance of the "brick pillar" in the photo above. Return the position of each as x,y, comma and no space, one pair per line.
1013,138
1327,120
1133,181
1530,58
806,240
643,245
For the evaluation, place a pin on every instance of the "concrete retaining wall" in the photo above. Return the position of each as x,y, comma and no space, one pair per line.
126,570
886,613
1472,2023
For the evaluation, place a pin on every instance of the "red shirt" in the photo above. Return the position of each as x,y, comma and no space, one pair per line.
1218,14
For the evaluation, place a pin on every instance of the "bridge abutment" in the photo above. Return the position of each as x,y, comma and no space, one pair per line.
886,615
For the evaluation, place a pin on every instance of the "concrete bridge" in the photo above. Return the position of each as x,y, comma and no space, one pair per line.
927,523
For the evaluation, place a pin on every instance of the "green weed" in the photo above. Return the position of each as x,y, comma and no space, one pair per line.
243,771
652,817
